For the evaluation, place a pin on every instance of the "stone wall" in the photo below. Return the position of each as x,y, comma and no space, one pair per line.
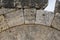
29,24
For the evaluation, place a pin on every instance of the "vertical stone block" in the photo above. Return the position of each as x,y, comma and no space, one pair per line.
44,17
15,18
56,21
29,15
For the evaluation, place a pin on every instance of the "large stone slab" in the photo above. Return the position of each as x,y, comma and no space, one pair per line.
3,24
15,18
30,32
29,16
44,17
56,21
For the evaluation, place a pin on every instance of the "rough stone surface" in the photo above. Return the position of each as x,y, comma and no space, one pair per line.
56,21
15,18
44,17
28,24
30,16
30,32
4,10
3,24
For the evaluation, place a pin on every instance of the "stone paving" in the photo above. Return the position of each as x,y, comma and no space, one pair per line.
29,24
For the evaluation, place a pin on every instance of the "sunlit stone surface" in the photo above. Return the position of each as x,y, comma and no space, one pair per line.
30,32
30,16
15,18
57,9
44,17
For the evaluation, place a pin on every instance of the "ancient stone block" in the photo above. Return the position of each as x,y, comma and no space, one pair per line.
30,32
29,16
3,24
18,3
56,21
15,18
44,17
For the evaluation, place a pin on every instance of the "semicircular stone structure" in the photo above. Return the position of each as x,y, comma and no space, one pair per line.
28,23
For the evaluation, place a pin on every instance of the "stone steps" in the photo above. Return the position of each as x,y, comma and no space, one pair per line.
14,17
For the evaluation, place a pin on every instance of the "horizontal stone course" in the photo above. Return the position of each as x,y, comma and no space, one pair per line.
11,27
30,32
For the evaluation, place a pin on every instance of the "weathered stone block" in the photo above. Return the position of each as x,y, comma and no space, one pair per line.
29,16
56,21
3,24
15,18
44,17
30,32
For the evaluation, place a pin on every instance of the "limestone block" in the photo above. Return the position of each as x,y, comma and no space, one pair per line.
44,17
3,24
56,21
30,32
29,16
15,18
